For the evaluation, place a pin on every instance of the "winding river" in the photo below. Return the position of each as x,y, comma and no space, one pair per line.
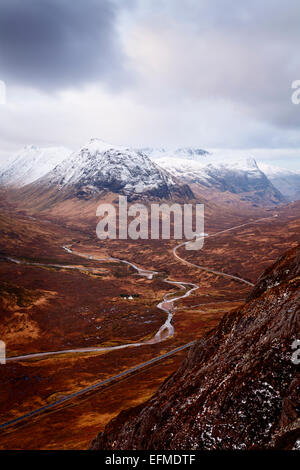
166,305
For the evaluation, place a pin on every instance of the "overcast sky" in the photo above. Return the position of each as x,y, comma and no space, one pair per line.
206,73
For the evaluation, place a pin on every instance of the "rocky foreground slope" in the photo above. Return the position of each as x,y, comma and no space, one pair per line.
238,387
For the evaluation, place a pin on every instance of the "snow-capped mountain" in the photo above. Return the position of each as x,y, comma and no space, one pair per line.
212,172
237,175
99,166
286,181
186,153
158,172
30,164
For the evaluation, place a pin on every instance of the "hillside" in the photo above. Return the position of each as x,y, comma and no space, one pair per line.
237,388
215,175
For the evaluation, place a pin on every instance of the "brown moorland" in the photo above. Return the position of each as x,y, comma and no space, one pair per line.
46,308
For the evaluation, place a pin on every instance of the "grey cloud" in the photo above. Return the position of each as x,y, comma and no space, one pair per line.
206,72
59,43
250,18
241,52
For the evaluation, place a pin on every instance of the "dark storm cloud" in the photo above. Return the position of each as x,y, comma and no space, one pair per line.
60,43
214,73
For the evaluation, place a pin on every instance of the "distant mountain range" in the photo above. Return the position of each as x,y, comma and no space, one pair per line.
99,167
237,173
187,153
286,181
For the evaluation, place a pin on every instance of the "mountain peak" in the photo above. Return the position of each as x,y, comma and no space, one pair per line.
31,147
186,153
238,174
98,145
98,166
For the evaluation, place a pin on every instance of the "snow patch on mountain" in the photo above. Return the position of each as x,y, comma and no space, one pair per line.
206,169
237,174
30,164
186,153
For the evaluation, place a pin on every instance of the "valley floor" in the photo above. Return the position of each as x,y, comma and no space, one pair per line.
56,300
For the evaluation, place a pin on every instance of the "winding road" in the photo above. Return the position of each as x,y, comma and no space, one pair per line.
167,329
209,270
95,386
166,305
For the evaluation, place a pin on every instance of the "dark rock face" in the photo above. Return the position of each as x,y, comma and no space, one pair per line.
177,193
238,387
287,267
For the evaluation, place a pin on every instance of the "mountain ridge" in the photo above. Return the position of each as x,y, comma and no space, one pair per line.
152,172
98,166
241,177
286,181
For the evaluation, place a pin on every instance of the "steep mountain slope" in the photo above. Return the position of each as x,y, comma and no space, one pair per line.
242,177
100,167
238,387
286,181
30,164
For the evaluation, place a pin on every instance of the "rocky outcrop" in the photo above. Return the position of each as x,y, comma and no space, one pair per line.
237,388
